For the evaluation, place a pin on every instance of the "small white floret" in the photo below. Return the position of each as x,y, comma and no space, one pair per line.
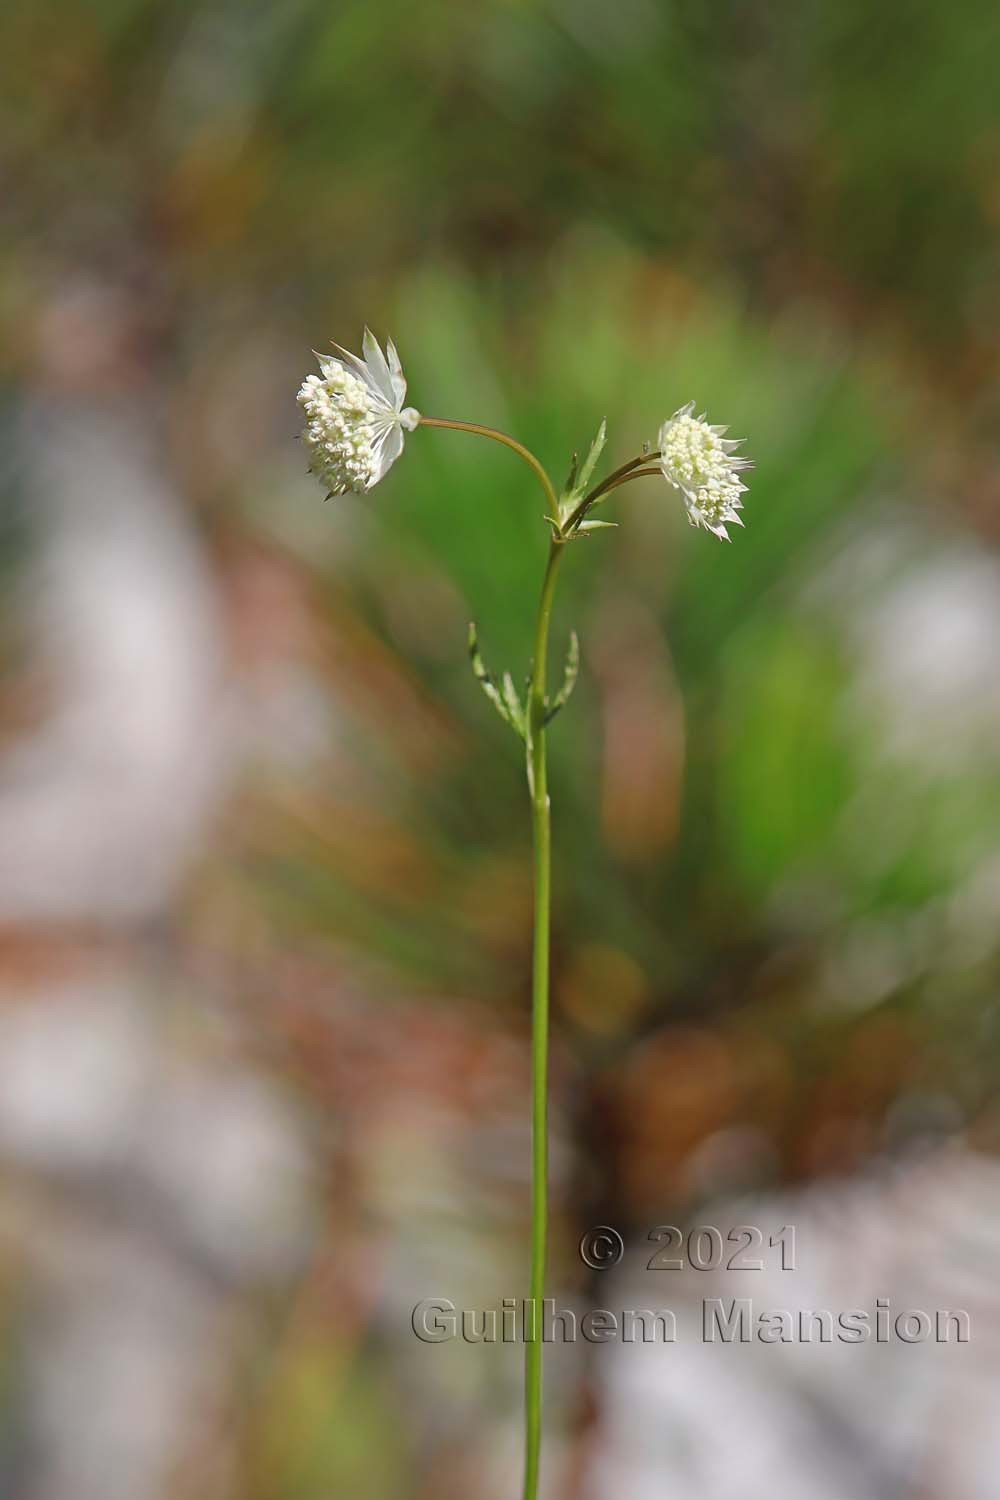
698,460
355,418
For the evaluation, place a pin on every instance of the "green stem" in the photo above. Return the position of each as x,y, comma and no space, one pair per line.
542,844
508,442
617,477
542,838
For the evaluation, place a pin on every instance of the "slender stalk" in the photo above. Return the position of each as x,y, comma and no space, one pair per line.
621,475
542,839
634,473
508,442
538,788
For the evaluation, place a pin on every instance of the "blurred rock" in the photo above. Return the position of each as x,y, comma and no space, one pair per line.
823,1420
158,1199
103,805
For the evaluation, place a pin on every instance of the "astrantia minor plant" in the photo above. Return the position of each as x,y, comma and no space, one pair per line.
355,422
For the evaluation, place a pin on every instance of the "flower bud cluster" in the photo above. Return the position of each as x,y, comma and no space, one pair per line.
341,428
698,460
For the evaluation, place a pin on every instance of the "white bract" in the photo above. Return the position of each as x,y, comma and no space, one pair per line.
355,416
698,460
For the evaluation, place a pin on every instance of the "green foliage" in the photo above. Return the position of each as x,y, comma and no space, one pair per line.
784,773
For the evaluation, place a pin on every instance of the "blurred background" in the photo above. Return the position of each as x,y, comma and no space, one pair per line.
264,850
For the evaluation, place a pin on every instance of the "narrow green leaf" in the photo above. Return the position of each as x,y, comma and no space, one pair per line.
570,673
513,703
505,703
589,463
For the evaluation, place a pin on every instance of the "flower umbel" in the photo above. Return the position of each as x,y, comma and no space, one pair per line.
698,460
355,416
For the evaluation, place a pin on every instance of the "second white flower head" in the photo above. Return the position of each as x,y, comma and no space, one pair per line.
698,460
355,418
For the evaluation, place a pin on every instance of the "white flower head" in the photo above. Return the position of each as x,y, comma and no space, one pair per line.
698,460
355,417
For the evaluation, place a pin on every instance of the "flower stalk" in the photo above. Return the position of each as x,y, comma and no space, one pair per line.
355,426
541,825
509,442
